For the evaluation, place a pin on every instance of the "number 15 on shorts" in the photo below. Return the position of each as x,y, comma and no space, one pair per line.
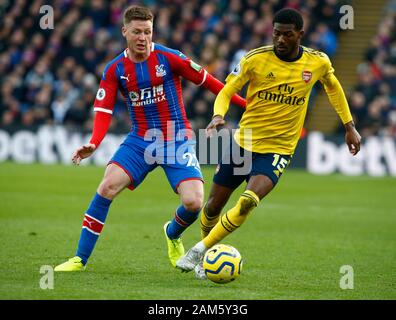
280,163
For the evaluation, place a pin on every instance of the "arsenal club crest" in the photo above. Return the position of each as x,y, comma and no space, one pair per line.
306,76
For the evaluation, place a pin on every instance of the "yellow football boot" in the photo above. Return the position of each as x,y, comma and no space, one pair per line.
175,247
73,264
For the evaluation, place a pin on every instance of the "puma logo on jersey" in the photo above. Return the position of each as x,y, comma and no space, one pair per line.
125,78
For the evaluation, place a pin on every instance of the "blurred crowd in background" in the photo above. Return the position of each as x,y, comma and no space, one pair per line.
52,76
373,100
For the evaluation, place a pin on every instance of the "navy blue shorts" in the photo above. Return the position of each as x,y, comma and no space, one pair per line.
138,157
238,165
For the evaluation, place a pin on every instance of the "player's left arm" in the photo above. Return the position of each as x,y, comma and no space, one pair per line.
339,102
193,72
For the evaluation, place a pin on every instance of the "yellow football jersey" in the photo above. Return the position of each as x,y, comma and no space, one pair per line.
277,97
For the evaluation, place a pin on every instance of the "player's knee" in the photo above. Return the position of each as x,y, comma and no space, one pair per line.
108,189
193,203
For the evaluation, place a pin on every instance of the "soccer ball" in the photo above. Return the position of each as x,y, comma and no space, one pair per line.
222,263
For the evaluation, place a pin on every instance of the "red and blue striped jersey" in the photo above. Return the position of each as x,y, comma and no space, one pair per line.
152,89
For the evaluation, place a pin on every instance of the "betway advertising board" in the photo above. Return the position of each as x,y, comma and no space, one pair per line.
317,153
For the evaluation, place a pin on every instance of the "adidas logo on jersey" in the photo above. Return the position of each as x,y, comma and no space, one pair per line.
270,76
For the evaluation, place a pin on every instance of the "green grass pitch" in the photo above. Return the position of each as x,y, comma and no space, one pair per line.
293,244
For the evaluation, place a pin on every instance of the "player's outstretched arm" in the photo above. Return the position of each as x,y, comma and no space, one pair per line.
83,152
100,127
213,84
339,102
221,106
217,120
352,138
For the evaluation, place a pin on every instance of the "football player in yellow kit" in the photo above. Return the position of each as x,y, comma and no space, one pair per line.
280,80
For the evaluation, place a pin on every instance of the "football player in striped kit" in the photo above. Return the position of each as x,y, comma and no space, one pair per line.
149,77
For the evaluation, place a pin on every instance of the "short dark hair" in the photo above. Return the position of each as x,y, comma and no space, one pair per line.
289,16
137,13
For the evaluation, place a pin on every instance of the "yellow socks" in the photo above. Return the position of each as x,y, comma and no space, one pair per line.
232,219
207,223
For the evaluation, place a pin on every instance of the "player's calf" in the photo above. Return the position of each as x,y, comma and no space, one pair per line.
232,219
209,218
246,203
181,221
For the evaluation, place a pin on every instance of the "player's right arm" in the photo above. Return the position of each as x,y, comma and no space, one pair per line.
103,108
234,83
339,102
